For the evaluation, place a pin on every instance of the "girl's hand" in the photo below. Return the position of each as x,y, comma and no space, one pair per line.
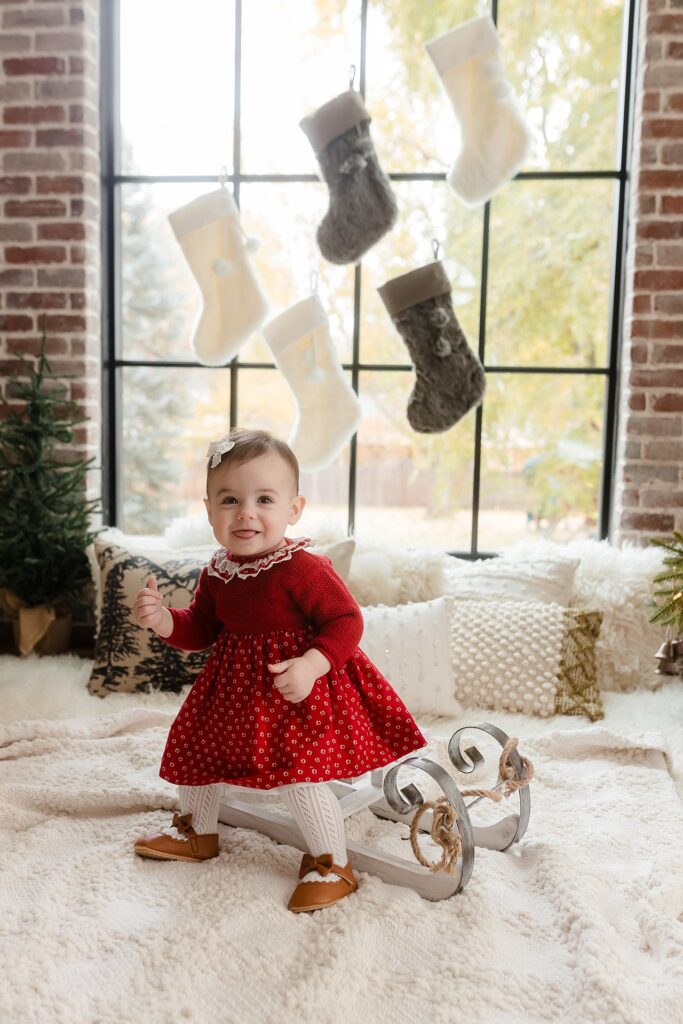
148,609
294,678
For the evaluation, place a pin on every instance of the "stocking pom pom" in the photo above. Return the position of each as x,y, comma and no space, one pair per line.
223,267
253,244
315,375
442,347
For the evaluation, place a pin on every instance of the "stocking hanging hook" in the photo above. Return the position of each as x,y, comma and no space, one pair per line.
314,281
223,176
435,248
352,75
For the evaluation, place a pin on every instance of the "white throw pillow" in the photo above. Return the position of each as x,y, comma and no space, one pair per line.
410,645
547,579
526,656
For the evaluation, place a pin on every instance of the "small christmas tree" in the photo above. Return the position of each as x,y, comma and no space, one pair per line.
669,611
44,516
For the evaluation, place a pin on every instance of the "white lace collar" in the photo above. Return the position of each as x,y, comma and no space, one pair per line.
227,568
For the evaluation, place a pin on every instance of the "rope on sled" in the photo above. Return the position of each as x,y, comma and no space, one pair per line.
444,818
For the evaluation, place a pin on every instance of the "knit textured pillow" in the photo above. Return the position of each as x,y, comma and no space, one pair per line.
409,644
526,656
128,658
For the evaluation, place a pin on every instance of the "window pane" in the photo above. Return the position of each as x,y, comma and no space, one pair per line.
285,217
266,402
427,212
541,458
161,297
563,61
295,57
177,86
416,488
549,274
169,416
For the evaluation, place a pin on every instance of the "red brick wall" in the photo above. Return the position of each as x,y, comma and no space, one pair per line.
650,467
50,195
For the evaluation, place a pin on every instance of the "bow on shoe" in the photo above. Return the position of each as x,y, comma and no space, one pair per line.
322,864
182,823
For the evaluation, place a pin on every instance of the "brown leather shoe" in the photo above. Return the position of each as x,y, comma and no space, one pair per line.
194,848
316,895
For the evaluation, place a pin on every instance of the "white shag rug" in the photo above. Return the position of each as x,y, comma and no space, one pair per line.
582,921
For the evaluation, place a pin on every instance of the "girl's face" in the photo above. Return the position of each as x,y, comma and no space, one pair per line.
250,505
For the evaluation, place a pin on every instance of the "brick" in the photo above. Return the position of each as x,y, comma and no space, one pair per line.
34,17
35,254
12,91
35,208
632,450
656,229
648,155
65,322
76,16
15,186
644,473
34,66
61,184
31,346
638,354
16,138
669,255
643,255
77,254
670,402
17,231
660,179
656,329
658,280
641,304
671,451
14,43
59,137
672,204
70,231
653,50
15,322
636,401
36,300
672,154
672,304
665,24
662,76
58,89
650,101
674,50
656,378
16,278
654,498
662,128
34,162
669,353
76,113
61,277
77,300
665,426
673,102
655,521
33,115
59,42
646,204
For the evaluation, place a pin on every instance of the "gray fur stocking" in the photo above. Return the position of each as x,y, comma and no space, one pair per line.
450,379
362,205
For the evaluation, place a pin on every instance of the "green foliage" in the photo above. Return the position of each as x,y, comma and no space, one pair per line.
669,610
44,517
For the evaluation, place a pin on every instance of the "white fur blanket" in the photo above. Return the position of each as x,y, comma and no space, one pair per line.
580,922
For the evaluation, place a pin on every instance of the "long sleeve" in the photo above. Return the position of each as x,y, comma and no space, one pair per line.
325,599
196,627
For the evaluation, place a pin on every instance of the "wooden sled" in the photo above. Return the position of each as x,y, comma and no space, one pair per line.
379,790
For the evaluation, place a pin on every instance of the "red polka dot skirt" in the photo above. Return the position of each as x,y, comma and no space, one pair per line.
235,726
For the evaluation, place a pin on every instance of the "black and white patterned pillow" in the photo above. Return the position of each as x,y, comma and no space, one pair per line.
128,658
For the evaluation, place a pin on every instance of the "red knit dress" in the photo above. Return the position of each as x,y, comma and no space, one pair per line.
234,726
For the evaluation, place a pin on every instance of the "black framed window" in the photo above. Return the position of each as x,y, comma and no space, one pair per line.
537,272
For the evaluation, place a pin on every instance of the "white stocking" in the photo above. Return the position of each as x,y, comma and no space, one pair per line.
495,140
328,408
318,815
202,803
211,236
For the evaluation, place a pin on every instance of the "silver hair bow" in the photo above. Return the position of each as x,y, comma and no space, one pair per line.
217,450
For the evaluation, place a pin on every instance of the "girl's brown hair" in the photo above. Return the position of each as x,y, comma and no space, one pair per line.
249,444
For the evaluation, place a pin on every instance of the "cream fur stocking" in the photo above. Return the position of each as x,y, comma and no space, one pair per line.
317,812
211,236
202,803
495,140
328,408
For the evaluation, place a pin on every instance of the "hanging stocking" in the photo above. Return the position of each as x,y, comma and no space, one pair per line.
449,377
362,205
217,250
495,140
328,409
